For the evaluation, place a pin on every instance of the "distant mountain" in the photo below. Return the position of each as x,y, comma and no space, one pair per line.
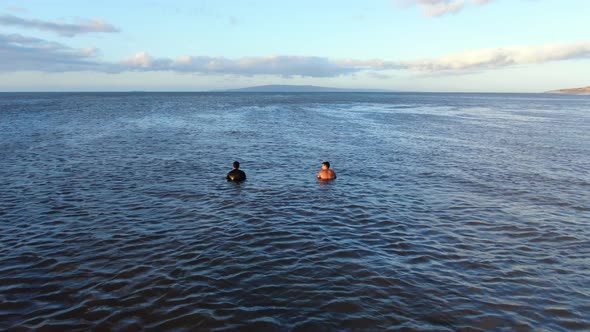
585,90
300,88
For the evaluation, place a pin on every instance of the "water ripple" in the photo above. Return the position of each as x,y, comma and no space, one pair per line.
450,212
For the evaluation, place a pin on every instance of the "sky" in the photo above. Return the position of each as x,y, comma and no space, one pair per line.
203,45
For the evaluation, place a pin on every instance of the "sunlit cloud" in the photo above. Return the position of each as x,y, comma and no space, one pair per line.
436,8
458,63
492,58
19,52
16,9
63,29
280,65
139,60
481,2
439,8
89,51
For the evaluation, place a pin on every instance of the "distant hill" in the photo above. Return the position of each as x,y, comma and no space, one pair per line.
300,88
572,91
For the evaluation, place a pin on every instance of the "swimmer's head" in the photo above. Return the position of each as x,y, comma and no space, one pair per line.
236,164
326,163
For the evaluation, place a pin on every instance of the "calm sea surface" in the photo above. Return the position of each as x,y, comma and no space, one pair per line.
450,212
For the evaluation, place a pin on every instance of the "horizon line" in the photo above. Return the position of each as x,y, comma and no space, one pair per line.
245,92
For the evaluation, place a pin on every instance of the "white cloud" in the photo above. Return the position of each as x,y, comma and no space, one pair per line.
436,8
281,65
481,2
287,66
439,8
63,29
374,64
184,59
89,51
139,60
491,58
18,53
16,9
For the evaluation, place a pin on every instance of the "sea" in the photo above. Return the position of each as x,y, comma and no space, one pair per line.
450,212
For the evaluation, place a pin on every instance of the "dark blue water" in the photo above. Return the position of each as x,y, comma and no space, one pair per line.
450,212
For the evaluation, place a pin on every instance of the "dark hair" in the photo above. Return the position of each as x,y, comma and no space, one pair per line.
236,164
327,163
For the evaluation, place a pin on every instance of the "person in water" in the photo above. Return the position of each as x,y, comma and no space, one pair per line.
236,174
326,173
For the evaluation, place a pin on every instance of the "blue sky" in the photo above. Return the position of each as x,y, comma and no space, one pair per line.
406,45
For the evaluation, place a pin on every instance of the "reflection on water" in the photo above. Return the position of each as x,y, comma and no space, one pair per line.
450,211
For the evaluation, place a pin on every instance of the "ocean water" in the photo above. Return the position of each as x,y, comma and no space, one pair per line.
450,212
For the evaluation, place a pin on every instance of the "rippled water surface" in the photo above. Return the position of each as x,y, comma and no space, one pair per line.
450,212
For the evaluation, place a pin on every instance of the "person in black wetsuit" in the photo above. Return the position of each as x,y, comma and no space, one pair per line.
236,174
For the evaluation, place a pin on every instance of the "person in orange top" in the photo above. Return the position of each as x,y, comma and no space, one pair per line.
326,173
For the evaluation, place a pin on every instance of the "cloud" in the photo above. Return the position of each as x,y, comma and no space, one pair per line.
139,60
63,29
439,8
481,2
280,65
24,53
458,63
436,8
19,53
287,66
16,9
492,58
379,76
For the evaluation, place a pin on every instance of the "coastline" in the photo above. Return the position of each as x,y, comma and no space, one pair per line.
576,91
